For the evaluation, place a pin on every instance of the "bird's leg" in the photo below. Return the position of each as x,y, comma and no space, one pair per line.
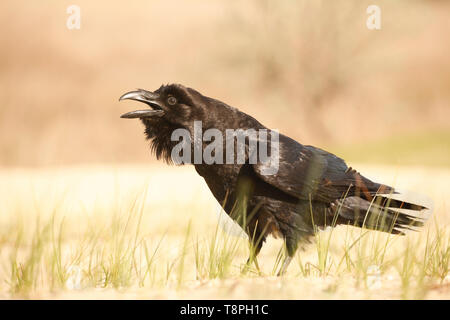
290,249
285,265
256,241
255,248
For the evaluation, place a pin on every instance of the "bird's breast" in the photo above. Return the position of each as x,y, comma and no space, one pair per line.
219,178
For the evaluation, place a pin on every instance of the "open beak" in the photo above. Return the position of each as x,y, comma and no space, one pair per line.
147,97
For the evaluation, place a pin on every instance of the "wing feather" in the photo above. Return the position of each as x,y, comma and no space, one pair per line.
310,173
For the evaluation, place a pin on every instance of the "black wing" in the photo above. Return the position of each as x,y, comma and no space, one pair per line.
310,173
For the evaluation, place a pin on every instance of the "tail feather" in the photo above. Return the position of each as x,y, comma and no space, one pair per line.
383,214
385,201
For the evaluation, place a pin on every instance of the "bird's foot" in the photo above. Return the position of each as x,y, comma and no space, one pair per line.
284,267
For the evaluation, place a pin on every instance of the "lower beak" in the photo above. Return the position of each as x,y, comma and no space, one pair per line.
147,97
142,114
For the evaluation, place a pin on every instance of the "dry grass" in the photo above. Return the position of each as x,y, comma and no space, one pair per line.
151,232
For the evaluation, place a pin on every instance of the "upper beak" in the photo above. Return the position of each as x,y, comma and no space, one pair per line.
150,98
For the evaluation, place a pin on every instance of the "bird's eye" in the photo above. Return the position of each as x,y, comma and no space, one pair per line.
172,100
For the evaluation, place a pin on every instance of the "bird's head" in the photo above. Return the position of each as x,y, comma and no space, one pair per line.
173,103
175,106
170,107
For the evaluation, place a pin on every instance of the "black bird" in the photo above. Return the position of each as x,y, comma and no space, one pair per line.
311,189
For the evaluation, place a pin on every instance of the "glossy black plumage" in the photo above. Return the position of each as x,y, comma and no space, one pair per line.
312,188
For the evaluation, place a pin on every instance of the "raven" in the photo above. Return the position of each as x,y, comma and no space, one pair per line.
311,189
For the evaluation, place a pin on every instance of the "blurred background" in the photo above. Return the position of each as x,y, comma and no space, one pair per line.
310,69
79,189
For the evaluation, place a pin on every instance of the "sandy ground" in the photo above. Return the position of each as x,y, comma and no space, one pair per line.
177,196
